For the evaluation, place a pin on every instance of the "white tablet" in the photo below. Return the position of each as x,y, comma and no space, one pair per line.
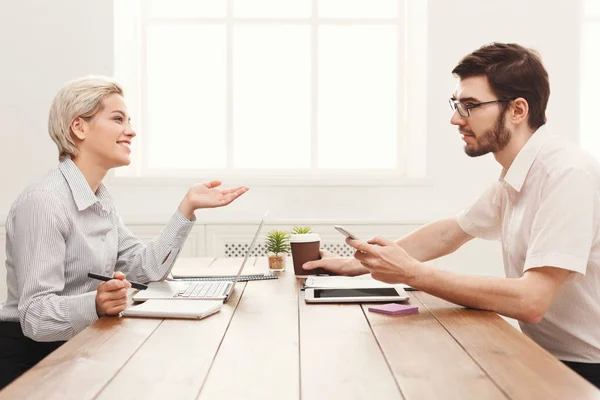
356,295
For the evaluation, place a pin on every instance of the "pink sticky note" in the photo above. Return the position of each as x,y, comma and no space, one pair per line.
393,308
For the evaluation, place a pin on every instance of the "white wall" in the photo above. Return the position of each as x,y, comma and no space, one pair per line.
44,44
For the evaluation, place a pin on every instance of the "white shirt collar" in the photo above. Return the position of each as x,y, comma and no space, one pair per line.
82,193
518,170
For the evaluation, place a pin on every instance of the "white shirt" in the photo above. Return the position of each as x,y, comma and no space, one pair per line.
57,231
546,211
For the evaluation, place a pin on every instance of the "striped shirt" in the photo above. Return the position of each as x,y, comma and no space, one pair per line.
57,231
546,212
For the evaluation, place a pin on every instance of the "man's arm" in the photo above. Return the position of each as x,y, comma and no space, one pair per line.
431,241
526,299
434,240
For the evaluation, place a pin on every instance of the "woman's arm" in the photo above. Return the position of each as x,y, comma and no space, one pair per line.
153,262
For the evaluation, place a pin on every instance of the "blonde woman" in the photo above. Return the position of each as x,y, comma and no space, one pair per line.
66,225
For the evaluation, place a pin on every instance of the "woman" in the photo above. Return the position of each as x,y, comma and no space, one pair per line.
66,225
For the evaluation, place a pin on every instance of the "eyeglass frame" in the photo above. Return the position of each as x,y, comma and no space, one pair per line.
454,105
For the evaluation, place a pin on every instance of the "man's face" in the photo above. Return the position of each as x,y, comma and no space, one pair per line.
485,130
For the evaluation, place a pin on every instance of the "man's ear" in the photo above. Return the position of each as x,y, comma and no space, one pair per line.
520,111
79,127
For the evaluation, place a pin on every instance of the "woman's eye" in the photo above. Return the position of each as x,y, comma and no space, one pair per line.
120,119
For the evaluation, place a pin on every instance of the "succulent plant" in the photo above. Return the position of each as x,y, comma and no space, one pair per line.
300,230
278,242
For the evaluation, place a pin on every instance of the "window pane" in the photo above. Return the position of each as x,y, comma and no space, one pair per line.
126,71
271,104
271,8
590,86
186,96
591,8
185,8
358,8
357,97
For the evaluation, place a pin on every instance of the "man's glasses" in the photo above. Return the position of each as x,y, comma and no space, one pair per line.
464,109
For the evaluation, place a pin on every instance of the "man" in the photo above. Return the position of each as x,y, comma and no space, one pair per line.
545,210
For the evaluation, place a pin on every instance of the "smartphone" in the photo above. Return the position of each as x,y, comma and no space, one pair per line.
345,232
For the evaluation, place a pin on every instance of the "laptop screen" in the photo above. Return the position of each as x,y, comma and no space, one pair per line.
237,277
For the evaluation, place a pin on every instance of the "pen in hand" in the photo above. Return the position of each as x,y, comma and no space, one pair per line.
134,285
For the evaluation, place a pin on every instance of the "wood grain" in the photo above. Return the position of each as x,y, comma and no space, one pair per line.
174,362
516,364
340,358
258,358
426,360
268,343
80,368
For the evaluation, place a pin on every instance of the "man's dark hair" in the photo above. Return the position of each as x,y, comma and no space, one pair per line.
512,71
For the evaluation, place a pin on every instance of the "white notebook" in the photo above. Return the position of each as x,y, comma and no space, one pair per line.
167,308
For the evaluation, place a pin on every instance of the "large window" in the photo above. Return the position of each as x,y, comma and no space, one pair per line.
277,88
590,77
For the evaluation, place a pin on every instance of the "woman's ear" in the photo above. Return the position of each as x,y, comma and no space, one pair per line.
520,111
78,127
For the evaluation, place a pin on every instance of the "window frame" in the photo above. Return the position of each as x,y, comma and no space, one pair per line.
410,125
587,18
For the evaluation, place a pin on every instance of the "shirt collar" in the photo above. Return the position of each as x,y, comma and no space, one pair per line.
518,170
82,193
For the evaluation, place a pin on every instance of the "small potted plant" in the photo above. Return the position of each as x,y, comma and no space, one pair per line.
301,230
277,247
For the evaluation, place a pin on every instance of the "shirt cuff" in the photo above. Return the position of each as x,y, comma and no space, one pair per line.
177,230
471,229
466,225
82,311
557,260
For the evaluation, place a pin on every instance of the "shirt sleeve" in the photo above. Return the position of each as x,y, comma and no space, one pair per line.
40,230
564,224
483,219
152,262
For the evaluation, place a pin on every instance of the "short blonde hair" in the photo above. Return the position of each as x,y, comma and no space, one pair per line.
79,98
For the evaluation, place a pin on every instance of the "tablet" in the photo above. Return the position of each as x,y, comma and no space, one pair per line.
355,295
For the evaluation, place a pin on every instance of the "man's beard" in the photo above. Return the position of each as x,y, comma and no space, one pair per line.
491,141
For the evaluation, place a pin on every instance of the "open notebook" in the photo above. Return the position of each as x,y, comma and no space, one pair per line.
209,268
166,308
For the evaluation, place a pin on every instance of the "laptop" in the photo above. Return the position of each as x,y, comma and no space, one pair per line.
196,290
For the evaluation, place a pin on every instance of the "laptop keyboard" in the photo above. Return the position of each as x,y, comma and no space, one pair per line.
198,290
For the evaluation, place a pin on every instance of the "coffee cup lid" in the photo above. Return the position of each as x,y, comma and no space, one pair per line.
304,238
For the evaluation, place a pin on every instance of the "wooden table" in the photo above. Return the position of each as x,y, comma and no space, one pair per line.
267,343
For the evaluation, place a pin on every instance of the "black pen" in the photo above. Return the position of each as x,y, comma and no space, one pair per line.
134,285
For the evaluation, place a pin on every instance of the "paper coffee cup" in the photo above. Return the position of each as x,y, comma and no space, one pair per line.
305,247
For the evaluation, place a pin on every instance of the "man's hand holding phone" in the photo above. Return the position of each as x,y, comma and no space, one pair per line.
345,232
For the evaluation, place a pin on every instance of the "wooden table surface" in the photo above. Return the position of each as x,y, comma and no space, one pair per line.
267,343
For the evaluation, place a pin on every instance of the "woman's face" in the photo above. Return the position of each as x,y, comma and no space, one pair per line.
107,136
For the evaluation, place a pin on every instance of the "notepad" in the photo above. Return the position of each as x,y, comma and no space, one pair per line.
208,267
393,308
243,278
167,308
